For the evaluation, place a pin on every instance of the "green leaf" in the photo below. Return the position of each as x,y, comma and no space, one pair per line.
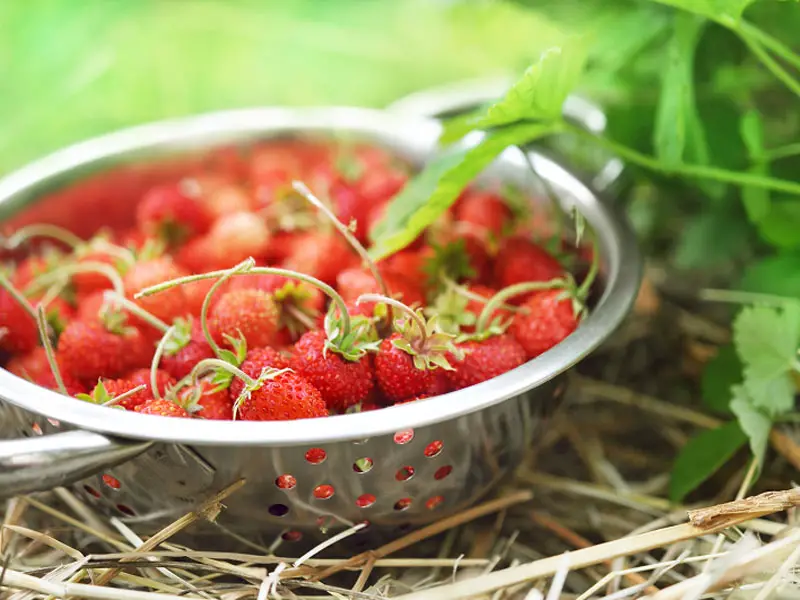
754,423
428,195
676,101
756,200
538,94
766,340
780,224
721,373
728,11
711,238
703,456
779,275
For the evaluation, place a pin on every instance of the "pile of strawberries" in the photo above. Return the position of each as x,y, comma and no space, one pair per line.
240,294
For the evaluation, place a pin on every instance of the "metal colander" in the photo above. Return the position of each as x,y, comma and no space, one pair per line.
396,468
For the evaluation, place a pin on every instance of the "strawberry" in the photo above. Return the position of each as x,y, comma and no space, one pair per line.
219,195
281,245
58,313
97,250
72,385
88,350
341,382
484,359
397,375
161,408
186,348
167,305
91,306
250,313
321,255
206,402
36,265
355,282
117,387
233,237
277,396
265,358
167,213
18,330
32,365
196,292
483,210
520,260
549,317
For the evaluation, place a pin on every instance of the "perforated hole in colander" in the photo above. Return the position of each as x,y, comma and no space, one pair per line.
363,465
54,422
404,473
434,448
442,472
111,482
365,500
324,491
316,456
404,437
286,481
126,510
37,429
91,491
292,536
402,504
278,510
434,502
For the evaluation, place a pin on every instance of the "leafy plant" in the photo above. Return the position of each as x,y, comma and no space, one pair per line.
709,142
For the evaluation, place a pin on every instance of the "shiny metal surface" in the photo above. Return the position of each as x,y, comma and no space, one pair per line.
457,445
455,98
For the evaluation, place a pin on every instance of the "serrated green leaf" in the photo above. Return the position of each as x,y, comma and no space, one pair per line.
428,195
538,95
774,396
766,339
754,423
703,456
676,101
720,375
728,11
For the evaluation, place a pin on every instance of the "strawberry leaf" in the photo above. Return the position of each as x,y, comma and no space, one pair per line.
703,456
450,260
432,191
718,10
753,422
180,338
721,373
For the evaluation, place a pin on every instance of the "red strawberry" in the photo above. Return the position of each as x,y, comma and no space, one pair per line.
32,365
232,238
355,282
58,313
89,350
282,397
162,408
321,255
274,283
396,373
485,359
18,331
251,313
483,210
117,387
167,305
88,282
90,306
476,307
35,265
409,263
220,196
549,318
187,347
209,404
167,213
196,293
282,245
520,260
266,358
342,382
72,385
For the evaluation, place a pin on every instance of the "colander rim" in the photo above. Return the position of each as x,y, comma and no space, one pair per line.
617,242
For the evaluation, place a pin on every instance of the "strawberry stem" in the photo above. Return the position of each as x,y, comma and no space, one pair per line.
242,267
162,345
399,305
211,364
594,267
470,295
301,317
121,302
500,297
53,232
41,322
324,287
20,298
56,275
119,252
302,189
117,399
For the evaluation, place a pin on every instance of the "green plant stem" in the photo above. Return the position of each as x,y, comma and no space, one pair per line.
136,310
162,345
86,267
496,301
769,42
117,399
400,306
53,232
740,297
17,295
770,63
782,152
695,171
586,284
49,352
242,267
209,364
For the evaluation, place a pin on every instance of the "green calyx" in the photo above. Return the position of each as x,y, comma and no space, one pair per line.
255,384
449,261
451,308
426,343
98,395
294,312
362,337
180,338
221,378
115,321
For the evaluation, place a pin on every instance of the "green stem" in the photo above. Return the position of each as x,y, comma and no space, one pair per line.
770,42
48,231
136,310
772,65
782,152
162,345
324,287
513,290
697,171
211,364
18,296
470,295
56,275
402,307
242,267
119,252
740,297
117,399
586,284
44,334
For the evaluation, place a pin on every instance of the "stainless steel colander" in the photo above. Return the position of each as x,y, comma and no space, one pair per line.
396,468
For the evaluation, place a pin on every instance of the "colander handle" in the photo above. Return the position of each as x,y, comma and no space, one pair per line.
42,463
461,97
